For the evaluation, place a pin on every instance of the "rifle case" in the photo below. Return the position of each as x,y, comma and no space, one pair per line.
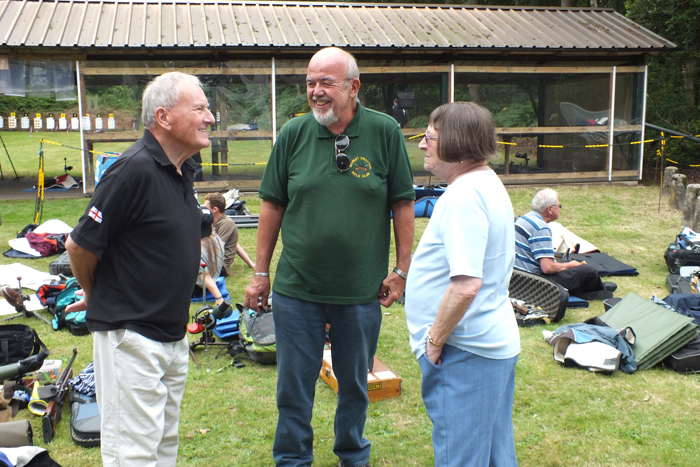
84,420
686,359
539,291
61,265
678,284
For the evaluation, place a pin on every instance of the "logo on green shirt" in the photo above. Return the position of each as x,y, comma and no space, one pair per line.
360,167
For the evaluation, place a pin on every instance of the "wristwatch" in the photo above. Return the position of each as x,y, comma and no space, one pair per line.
262,274
401,273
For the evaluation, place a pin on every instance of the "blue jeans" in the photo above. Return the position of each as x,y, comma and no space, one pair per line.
469,399
300,332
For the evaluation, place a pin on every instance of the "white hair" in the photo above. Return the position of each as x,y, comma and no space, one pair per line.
163,91
544,199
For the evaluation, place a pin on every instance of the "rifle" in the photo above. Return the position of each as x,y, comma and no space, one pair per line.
53,410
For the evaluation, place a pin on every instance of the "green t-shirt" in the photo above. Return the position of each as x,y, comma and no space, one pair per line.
336,225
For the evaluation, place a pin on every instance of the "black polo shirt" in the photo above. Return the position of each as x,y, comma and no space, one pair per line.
144,224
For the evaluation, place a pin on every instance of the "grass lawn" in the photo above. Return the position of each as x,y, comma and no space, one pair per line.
563,417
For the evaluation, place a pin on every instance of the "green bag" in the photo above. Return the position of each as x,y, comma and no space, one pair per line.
256,336
74,321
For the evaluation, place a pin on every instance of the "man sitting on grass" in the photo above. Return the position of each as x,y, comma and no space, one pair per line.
534,251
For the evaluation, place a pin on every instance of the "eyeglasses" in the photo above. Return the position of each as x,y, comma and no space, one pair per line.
556,205
430,138
341,159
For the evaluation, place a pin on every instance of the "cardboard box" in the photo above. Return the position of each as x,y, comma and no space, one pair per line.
382,383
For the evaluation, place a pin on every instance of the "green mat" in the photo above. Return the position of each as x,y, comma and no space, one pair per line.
660,331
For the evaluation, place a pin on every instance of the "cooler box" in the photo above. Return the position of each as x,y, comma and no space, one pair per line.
104,161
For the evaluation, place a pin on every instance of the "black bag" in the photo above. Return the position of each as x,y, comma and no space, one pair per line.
682,252
17,342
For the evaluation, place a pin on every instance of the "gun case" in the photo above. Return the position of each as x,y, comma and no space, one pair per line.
61,265
686,359
84,420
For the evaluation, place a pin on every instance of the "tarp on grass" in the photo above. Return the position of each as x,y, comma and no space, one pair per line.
660,331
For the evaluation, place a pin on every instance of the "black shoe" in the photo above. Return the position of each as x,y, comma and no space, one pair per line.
611,286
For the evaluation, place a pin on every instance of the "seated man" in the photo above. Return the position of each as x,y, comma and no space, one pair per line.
226,230
534,251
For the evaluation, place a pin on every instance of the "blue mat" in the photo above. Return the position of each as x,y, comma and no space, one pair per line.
221,284
227,328
424,206
606,265
575,302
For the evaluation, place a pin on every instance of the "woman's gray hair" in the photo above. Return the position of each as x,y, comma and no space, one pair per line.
544,199
466,131
163,91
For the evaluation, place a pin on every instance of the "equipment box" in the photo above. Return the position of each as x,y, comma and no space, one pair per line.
382,383
61,265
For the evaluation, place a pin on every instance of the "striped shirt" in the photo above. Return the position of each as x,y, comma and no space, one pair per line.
533,241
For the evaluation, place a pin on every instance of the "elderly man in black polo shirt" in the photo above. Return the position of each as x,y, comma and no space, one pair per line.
136,254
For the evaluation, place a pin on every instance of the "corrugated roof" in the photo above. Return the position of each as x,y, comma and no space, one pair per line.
135,24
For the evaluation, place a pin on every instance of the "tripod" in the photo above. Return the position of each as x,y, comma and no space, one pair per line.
2,175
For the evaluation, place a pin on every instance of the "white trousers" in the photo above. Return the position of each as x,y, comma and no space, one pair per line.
140,384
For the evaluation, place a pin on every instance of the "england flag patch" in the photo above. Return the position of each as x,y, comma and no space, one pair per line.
96,215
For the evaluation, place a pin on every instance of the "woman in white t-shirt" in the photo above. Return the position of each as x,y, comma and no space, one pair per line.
462,326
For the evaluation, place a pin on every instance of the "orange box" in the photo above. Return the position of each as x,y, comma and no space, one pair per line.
382,383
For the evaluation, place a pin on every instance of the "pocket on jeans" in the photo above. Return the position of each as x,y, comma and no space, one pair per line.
118,337
428,364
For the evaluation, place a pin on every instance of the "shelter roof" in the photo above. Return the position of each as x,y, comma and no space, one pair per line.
96,25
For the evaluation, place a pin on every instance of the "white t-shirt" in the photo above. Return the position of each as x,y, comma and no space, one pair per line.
470,233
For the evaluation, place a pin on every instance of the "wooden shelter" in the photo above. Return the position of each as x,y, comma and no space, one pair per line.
567,87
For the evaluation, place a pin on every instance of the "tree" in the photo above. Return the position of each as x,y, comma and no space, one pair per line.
677,19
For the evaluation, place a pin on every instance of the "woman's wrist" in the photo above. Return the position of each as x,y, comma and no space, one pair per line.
431,341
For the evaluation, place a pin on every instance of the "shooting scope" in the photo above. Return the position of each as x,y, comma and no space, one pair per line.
222,311
22,367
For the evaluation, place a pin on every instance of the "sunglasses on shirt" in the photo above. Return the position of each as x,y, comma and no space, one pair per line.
341,159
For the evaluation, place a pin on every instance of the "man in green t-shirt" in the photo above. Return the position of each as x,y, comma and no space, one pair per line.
335,178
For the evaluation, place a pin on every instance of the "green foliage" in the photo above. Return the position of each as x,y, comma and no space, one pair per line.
290,101
673,79
673,19
32,105
248,103
117,97
515,115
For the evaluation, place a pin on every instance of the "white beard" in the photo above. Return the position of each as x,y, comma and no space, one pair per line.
326,119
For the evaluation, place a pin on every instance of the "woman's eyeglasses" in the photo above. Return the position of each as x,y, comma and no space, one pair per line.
341,159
